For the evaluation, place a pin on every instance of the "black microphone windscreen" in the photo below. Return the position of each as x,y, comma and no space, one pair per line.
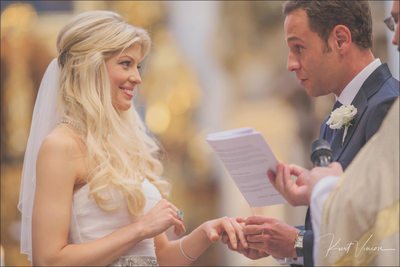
321,153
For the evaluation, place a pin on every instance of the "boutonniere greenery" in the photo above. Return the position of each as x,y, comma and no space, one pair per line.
342,117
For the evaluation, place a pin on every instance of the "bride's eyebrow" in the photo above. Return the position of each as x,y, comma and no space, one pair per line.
125,55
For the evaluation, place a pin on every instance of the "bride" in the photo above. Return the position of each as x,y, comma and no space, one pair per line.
92,191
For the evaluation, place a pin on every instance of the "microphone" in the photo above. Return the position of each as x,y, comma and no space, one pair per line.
321,153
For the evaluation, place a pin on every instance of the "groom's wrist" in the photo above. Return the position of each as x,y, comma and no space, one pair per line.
298,243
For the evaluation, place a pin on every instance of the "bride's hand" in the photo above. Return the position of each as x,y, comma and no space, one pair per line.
250,253
162,216
215,228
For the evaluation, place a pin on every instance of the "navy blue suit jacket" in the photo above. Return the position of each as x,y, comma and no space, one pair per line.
372,101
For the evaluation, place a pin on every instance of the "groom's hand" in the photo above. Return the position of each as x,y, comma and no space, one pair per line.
270,235
299,192
318,173
248,252
294,192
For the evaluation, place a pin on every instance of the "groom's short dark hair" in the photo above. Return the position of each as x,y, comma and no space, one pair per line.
323,16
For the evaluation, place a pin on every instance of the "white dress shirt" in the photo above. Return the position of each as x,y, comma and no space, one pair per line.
350,91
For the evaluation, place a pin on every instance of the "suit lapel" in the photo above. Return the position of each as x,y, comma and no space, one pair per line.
360,102
371,85
324,127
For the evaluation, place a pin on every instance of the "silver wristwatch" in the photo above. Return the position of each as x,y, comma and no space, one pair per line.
298,243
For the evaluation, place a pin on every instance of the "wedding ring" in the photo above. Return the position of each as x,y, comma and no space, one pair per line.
179,213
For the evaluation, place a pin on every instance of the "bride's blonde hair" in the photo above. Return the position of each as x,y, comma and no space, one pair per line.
118,147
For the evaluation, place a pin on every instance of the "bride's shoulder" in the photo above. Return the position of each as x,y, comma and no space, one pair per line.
61,158
63,140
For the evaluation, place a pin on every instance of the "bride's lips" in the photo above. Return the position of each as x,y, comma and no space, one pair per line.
127,91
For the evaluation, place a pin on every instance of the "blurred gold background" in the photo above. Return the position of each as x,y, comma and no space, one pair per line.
214,65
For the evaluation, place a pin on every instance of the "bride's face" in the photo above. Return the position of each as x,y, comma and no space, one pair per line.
123,72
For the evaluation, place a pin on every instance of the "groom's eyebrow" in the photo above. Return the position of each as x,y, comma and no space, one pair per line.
294,38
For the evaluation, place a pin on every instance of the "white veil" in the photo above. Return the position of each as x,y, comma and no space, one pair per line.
44,119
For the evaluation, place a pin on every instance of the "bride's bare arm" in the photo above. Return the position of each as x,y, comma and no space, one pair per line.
195,243
59,165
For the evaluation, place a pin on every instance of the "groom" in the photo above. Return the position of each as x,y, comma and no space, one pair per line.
330,51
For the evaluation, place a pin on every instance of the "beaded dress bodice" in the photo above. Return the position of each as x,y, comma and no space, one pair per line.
89,222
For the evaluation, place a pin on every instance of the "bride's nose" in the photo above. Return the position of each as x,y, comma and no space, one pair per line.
135,78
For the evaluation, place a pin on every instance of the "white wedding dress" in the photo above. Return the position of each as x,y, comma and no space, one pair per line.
89,222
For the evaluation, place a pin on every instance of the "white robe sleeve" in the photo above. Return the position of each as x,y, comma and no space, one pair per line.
319,195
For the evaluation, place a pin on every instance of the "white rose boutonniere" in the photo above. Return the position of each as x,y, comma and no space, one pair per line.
342,116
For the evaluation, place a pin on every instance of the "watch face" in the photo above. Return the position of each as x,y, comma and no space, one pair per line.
299,242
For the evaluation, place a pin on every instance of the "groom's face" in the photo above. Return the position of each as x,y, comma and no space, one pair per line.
313,60
395,15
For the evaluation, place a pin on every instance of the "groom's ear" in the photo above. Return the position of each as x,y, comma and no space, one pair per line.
341,38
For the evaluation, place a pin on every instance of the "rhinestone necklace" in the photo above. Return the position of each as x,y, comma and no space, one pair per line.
73,124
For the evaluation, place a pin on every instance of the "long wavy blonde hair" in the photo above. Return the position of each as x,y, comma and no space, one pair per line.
120,152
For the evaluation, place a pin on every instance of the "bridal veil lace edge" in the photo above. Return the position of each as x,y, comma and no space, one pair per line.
44,119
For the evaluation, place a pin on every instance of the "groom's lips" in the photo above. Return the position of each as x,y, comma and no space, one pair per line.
302,81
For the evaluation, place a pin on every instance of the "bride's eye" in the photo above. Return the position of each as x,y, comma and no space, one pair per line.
126,63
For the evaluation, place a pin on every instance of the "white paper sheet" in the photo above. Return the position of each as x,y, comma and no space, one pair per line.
247,157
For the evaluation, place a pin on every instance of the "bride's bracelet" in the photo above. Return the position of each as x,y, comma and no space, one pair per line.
183,252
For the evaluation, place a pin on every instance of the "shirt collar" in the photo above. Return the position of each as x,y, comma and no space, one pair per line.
352,88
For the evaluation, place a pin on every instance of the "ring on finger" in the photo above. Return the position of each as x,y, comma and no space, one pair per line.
179,213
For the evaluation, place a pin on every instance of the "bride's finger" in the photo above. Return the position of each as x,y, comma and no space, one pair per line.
241,220
178,231
176,212
179,227
230,247
239,232
227,225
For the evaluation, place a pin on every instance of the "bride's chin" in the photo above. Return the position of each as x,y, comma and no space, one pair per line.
122,107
